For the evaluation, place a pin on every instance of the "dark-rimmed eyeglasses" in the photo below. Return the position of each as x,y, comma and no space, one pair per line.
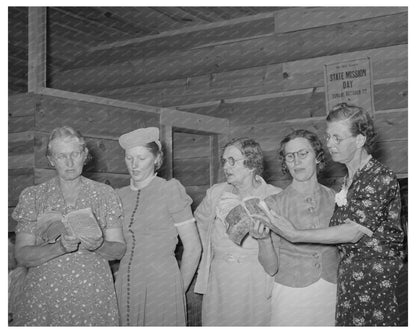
337,139
230,160
301,154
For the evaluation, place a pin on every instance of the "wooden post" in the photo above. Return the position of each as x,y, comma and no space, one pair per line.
214,159
37,49
166,136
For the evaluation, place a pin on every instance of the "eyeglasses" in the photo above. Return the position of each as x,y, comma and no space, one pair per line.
75,155
336,138
230,160
301,154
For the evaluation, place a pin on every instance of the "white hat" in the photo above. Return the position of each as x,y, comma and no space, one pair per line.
139,137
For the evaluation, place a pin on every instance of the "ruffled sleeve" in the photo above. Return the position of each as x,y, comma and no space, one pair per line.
110,213
178,203
25,213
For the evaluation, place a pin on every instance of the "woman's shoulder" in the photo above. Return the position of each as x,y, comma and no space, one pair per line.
272,189
35,190
218,189
327,190
97,186
380,169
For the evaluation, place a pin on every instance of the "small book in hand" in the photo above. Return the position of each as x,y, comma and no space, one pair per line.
82,223
239,218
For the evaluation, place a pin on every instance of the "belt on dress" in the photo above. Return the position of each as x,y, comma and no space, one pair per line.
238,258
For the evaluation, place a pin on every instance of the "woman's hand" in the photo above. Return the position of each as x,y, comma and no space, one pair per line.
258,229
91,244
69,243
283,227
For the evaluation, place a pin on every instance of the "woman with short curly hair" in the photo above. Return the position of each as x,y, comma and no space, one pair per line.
235,286
365,224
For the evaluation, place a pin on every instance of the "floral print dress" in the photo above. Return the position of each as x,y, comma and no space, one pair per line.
369,269
75,289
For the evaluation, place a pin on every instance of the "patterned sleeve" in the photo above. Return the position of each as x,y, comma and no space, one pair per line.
380,203
110,212
178,202
25,213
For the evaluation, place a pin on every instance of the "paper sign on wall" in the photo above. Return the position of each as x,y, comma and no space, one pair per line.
350,82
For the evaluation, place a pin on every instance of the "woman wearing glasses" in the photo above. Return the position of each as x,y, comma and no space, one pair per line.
365,225
304,292
236,288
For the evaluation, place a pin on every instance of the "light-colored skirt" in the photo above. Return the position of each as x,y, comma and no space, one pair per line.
313,305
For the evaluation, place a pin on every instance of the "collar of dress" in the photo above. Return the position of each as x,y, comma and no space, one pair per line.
142,184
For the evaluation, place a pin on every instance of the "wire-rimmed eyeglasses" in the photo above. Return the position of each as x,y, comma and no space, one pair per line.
230,160
337,139
75,155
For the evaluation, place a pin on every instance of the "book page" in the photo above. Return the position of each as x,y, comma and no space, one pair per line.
82,223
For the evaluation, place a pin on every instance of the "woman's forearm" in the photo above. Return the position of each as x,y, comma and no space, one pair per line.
345,233
111,250
35,255
189,264
267,256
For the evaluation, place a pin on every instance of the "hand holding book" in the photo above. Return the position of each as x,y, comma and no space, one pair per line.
84,226
50,226
248,214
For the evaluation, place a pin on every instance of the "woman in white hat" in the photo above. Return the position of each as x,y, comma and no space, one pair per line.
150,286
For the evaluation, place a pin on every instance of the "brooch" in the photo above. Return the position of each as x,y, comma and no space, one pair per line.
341,197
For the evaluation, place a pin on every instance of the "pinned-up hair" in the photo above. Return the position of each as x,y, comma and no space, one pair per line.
359,120
63,133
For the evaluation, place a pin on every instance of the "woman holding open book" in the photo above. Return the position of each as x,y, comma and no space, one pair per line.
68,228
150,286
236,288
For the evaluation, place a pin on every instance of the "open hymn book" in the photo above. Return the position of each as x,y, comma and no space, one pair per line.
239,218
82,223
52,224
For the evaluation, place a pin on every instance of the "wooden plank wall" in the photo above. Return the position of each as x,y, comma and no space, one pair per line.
33,116
267,79
191,159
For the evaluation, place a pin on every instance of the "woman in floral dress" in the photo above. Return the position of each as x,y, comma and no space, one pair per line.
365,225
69,281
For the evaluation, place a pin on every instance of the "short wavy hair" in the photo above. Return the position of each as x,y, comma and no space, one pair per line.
64,132
313,141
359,120
251,151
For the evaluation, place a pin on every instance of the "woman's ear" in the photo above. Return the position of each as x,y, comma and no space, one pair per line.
51,162
360,140
86,156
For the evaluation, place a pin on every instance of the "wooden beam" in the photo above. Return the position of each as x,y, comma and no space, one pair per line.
201,27
195,122
285,20
37,49
98,100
